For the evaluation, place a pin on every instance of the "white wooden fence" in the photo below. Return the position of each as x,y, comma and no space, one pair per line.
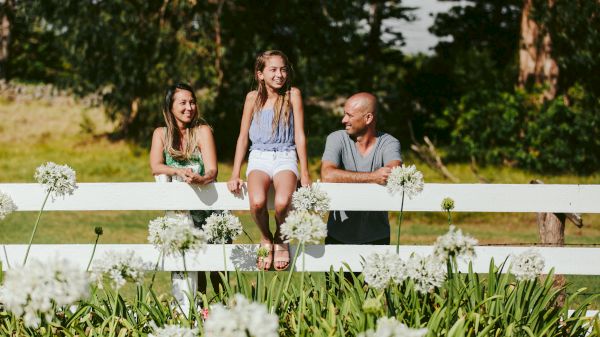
468,198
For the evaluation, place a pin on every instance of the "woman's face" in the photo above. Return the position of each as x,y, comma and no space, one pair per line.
184,107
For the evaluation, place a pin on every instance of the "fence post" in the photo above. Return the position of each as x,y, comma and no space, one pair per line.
551,227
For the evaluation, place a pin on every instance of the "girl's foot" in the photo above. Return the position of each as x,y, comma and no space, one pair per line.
282,256
265,262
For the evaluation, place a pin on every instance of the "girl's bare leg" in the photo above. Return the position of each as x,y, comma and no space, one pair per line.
285,183
258,189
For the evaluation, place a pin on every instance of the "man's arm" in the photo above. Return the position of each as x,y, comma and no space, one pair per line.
330,173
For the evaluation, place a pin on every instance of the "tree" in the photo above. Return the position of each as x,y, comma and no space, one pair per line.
536,63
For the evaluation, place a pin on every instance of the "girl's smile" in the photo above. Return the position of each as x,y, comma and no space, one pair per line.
274,73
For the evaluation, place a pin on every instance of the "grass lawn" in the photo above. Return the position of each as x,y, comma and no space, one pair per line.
32,133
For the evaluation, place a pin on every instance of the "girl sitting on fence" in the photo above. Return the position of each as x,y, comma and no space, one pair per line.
273,120
185,151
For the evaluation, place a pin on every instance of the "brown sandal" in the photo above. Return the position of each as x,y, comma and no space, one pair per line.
265,262
281,247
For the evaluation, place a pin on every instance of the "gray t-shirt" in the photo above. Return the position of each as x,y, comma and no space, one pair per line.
355,227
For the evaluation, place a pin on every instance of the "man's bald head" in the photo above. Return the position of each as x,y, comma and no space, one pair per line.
364,102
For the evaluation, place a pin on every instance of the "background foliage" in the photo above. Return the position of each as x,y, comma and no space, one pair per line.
465,95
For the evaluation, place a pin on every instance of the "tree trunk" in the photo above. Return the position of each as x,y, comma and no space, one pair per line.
5,26
536,65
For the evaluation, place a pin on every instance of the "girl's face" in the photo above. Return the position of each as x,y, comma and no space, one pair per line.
184,107
274,74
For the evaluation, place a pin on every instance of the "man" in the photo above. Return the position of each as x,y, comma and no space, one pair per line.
359,154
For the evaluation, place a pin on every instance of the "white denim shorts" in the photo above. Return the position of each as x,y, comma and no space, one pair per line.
272,162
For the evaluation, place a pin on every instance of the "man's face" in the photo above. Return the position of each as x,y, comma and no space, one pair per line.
355,119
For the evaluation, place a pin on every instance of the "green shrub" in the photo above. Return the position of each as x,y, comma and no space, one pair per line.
515,129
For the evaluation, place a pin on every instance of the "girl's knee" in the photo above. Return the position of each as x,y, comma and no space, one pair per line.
258,204
282,203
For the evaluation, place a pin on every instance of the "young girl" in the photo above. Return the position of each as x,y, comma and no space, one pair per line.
185,151
273,119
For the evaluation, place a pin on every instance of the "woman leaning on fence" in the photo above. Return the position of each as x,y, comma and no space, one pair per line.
184,150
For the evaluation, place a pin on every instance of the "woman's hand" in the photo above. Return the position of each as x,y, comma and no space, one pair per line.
184,173
235,185
305,180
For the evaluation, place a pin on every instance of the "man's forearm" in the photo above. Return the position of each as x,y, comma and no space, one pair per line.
334,175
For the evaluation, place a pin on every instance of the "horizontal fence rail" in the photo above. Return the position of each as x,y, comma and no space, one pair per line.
351,197
318,258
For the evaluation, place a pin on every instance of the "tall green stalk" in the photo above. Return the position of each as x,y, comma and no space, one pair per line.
400,224
98,231
301,311
37,221
225,263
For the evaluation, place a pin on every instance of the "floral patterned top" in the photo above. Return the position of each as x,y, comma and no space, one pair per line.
197,165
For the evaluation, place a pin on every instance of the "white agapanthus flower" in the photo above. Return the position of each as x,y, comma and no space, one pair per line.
120,267
222,227
59,180
241,318
172,331
382,269
311,198
390,327
303,226
7,205
407,179
175,234
427,272
40,287
527,265
454,243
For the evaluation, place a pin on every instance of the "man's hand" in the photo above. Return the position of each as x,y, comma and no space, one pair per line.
381,175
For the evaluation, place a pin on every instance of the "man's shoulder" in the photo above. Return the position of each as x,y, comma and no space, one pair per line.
384,136
338,135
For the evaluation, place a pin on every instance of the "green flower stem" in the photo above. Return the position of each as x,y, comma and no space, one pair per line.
301,311
36,226
225,263
93,252
449,217
287,282
191,297
160,255
400,224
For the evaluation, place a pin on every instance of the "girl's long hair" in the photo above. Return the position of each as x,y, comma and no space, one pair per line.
282,105
173,139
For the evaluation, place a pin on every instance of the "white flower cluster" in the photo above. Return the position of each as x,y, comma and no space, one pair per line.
242,319
390,327
454,243
58,180
172,331
381,269
40,286
7,205
427,272
407,179
174,234
221,227
303,226
527,265
311,198
120,267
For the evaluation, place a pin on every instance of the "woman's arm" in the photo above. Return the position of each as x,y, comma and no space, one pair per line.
206,144
157,160
235,183
299,137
